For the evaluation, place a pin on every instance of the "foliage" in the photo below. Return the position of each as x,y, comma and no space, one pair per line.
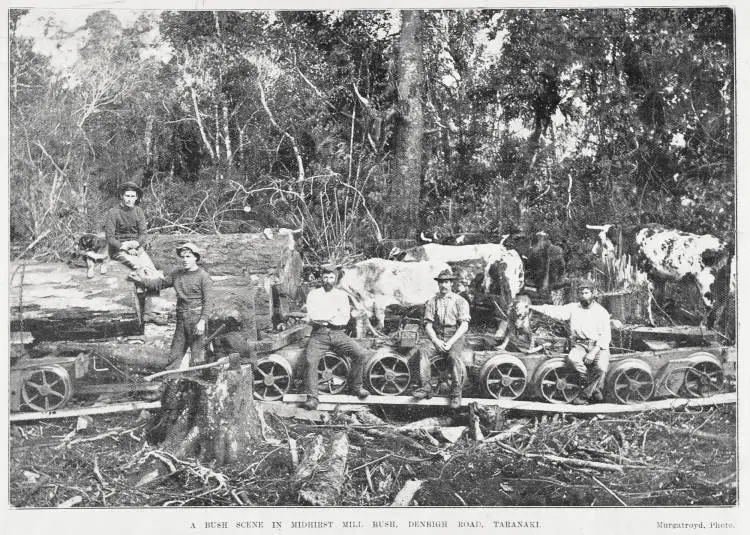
532,119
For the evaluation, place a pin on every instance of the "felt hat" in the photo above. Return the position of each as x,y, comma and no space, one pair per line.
586,283
445,275
329,268
130,186
190,246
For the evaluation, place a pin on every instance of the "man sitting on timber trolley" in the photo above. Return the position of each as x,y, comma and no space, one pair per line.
329,310
590,335
446,319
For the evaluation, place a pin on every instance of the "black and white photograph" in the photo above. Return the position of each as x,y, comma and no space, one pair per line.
373,268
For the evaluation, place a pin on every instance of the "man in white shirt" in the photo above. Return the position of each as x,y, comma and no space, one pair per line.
329,310
590,335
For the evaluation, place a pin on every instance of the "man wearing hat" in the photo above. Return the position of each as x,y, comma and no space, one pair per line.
590,335
329,311
125,230
446,321
193,285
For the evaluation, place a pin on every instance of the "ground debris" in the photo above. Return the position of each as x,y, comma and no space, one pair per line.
672,458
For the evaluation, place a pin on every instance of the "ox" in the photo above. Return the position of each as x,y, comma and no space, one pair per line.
504,275
452,253
464,238
376,283
544,262
500,270
389,248
662,254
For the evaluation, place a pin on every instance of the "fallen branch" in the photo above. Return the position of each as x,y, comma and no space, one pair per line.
610,491
405,495
693,433
512,430
578,463
75,500
324,488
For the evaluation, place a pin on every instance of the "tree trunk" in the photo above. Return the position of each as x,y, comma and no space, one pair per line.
216,422
409,133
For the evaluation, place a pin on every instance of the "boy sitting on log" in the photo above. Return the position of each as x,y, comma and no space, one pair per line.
125,231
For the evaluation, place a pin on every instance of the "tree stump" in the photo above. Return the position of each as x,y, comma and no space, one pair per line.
214,422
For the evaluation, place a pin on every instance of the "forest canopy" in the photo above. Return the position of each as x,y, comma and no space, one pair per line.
360,125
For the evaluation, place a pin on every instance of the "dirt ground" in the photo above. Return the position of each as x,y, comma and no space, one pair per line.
658,458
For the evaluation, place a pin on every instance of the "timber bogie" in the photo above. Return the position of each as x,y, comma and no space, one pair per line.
48,384
633,376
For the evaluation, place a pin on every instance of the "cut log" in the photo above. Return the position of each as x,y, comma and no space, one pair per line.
134,356
628,307
324,485
211,421
236,254
57,302
637,337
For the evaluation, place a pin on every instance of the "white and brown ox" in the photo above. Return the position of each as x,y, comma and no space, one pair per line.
376,283
501,270
661,254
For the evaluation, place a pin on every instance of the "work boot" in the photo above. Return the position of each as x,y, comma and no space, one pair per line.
360,392
311,403
455,396
580,400
424,392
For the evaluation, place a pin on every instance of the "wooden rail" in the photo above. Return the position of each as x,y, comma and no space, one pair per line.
331,402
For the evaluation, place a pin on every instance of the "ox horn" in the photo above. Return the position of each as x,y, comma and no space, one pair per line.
596,227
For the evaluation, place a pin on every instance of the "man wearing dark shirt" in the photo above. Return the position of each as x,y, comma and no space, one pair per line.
125,231
193,286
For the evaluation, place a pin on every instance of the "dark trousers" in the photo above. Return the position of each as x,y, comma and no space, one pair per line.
322,340
184,338
427,350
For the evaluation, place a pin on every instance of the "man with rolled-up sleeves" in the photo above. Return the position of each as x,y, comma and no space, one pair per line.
446,319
